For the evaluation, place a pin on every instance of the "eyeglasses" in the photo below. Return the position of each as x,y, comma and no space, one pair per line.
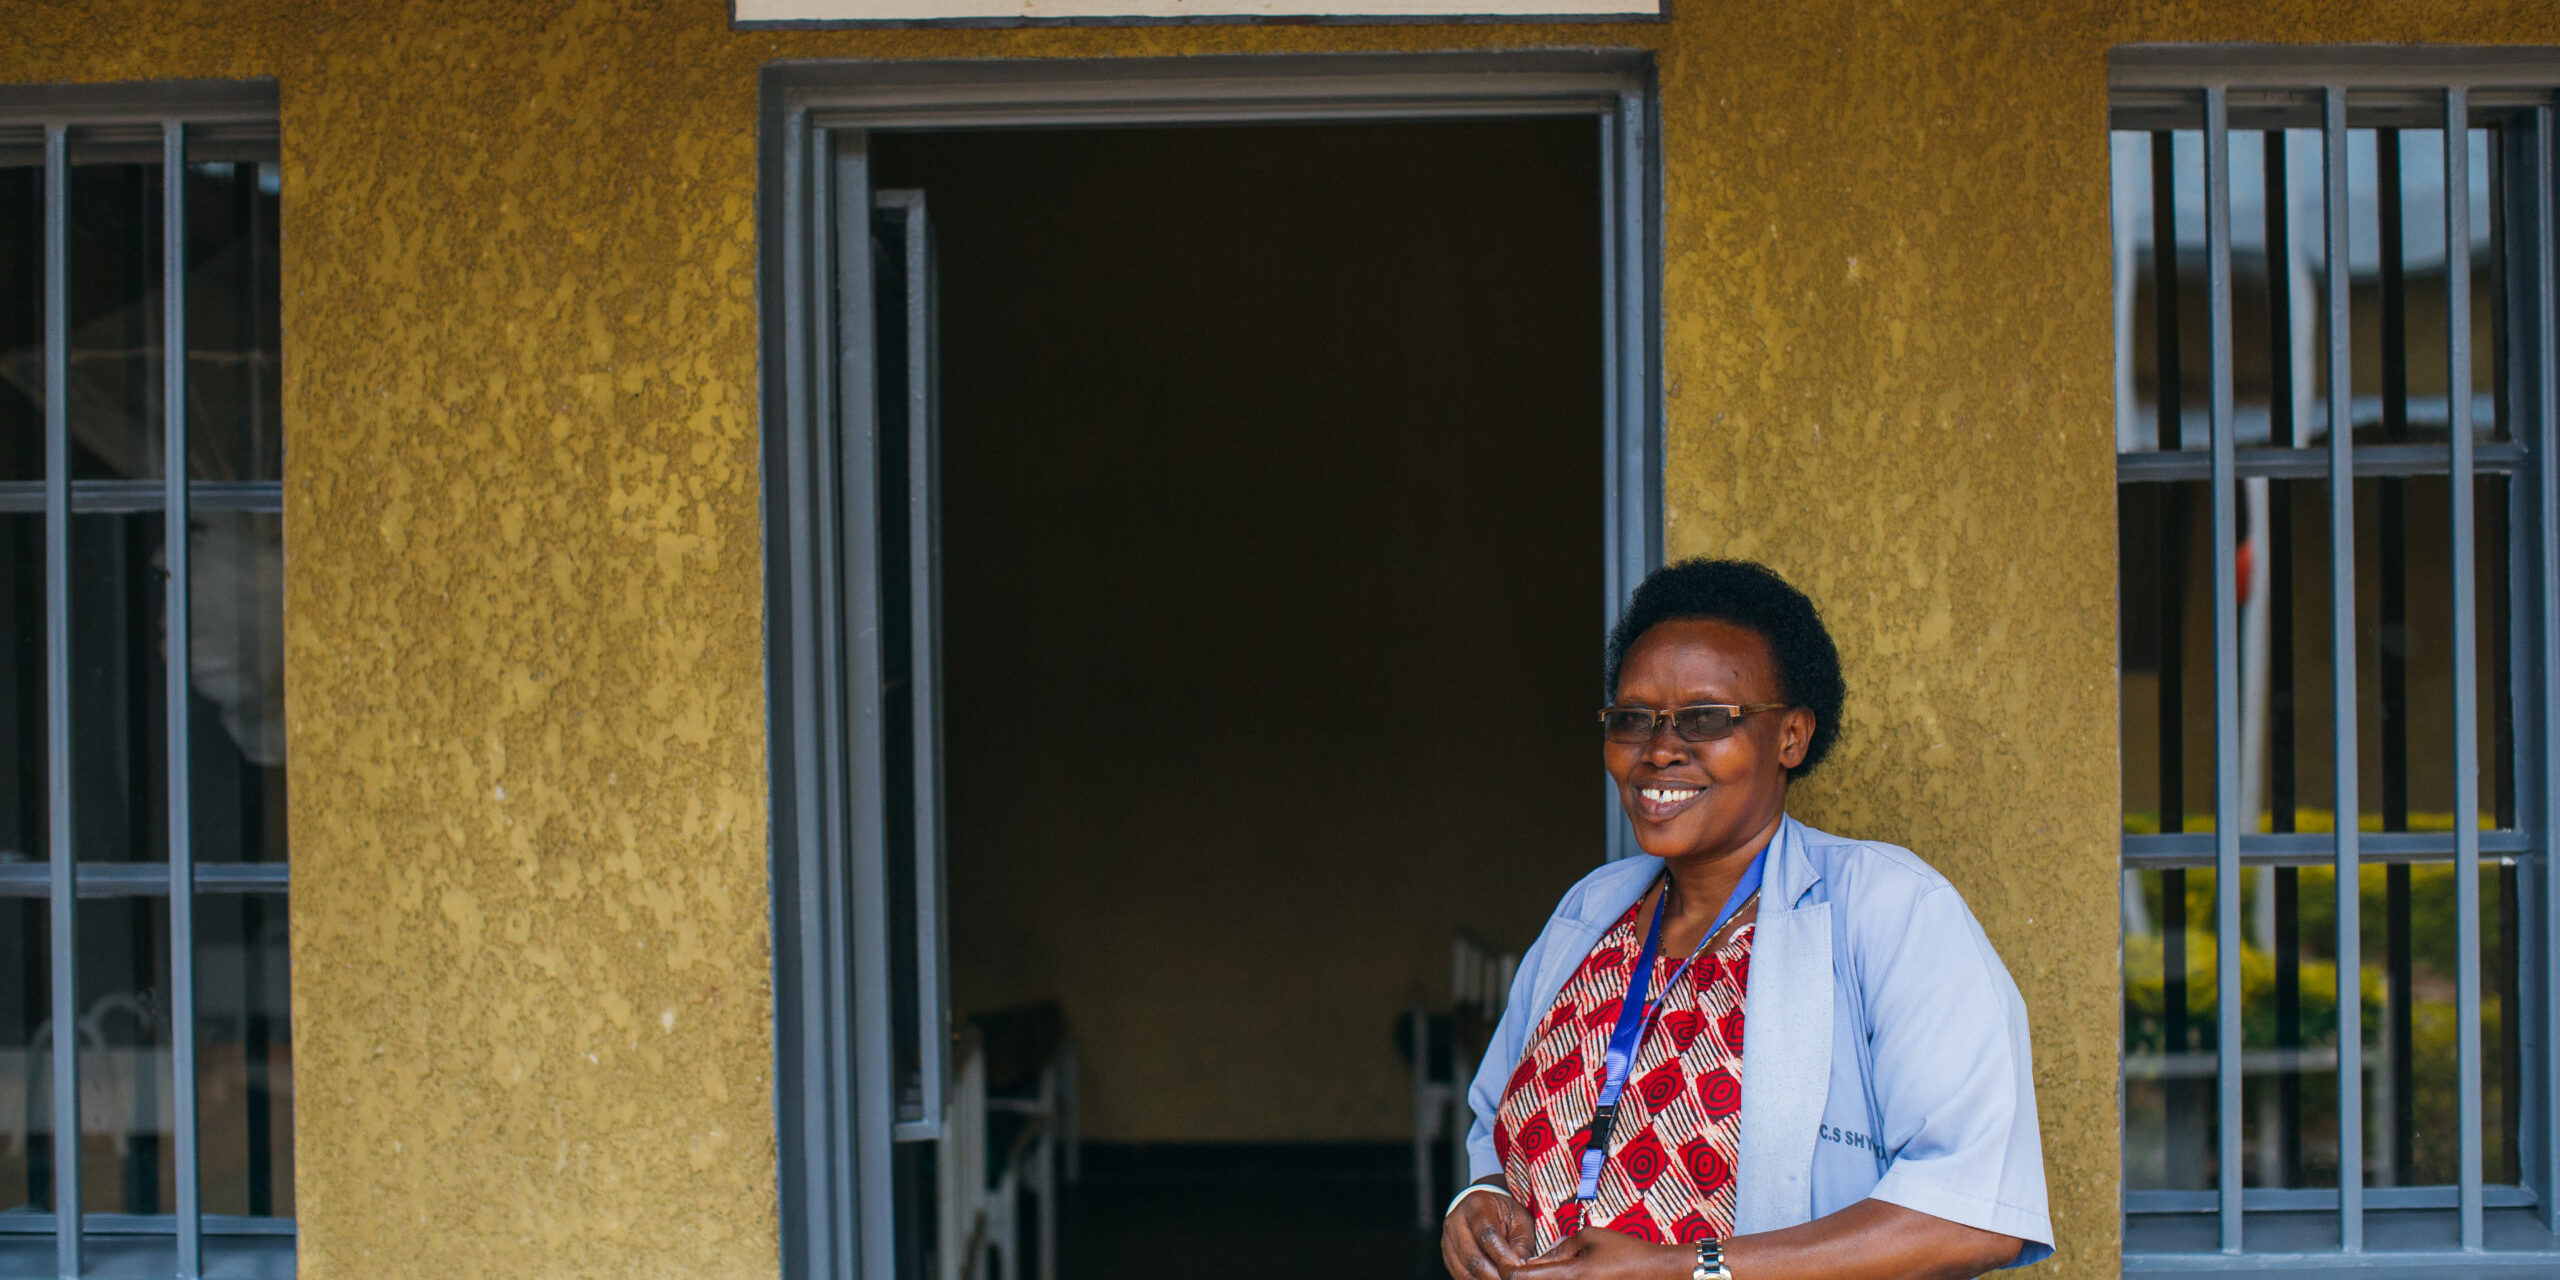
1703,722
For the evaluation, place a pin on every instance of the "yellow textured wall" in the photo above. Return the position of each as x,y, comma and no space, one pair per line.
522,585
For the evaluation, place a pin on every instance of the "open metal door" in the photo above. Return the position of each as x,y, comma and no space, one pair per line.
911,676
901,288
854,633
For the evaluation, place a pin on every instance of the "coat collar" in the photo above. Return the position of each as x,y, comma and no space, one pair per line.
1789,877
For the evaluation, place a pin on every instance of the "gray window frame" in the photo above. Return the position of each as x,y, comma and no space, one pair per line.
2192,87
161,117
835,1117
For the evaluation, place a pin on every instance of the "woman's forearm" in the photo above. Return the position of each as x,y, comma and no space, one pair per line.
1870,1240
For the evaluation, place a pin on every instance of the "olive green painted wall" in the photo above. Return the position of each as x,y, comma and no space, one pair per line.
522,538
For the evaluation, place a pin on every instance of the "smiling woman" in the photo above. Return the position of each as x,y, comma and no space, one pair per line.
1760,1049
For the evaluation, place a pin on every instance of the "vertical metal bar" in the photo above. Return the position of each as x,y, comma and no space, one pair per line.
1630,399
2538,631
2391,668
64,879
924,569
1635,532
1639,354
2342,671
2545,435
2283,431
813,1228
857,553
1616,468
833,1232
2510,600
2466,654
1624,455
176,621
2226,667
847,999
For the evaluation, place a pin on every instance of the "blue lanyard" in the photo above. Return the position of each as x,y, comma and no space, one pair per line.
1634,1018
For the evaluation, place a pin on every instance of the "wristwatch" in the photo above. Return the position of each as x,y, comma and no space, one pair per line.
1711,1262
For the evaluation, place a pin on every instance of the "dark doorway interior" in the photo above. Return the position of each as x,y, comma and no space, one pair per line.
1273,592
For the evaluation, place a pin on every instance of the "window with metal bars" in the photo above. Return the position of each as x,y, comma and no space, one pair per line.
2334,427
146,1064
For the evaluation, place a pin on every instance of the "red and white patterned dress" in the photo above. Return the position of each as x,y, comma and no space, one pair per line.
1669,1176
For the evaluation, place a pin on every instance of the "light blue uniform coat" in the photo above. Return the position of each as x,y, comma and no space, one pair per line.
1885,1049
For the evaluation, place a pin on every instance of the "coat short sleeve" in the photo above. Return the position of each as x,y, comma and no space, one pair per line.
1954,1084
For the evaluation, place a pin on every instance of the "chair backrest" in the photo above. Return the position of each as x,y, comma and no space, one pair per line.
961,1169
1479,977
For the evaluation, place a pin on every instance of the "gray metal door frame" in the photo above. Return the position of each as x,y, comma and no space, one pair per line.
834,1113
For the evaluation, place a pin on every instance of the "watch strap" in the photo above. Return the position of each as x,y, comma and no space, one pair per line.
1711,1262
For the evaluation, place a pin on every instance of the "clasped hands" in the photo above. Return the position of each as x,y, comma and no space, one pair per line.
1489,1237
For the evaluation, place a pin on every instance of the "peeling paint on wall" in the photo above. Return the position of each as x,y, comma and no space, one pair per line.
523,598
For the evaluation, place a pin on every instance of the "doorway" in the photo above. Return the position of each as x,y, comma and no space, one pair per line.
1241,510
1271,543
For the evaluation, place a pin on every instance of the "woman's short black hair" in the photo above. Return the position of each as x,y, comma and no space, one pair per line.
1746,594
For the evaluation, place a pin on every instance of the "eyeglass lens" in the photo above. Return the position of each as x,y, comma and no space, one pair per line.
1693,724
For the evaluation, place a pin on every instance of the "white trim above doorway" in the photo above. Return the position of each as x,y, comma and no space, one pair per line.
1052,13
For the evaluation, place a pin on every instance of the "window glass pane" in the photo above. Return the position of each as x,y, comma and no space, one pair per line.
126,1108
2491,325
21,315
2396,234
115,309
2404,605
2289,1026
2159,201
24,821
26,1048
2165,540
233,388
2170,1029
2287,729
2276,289
236,687
119,763
2411,944
2502,1014
244,1054
2488,284
2496,677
